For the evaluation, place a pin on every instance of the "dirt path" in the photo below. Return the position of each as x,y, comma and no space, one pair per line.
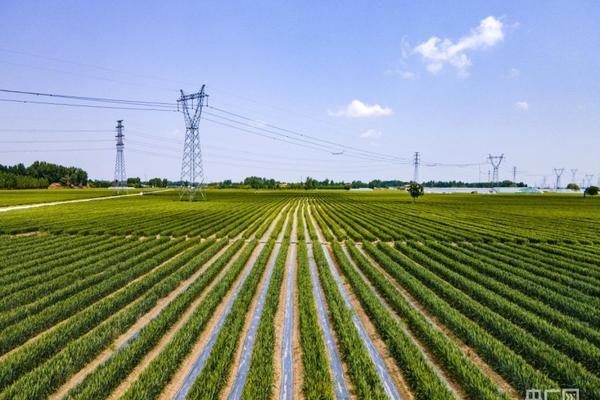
386,368
56,203
200,351
465,349
134,330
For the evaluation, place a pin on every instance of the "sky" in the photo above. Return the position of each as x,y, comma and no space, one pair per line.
453,80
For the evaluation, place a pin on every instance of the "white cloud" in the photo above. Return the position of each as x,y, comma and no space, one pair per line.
371,134
401,73
358,109
522,105
438,52
405,47
513,73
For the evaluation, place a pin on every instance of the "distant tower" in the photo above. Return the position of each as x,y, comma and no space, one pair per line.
558,172
514,174
120,177
495,161
416,162
588,180
192,172
489,176
544,182
573,175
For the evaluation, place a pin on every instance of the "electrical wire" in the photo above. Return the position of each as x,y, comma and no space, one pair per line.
84,105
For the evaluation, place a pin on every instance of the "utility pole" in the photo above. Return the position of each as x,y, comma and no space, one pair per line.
573,175
416,163
192,172
120,176
558,172
495,161
588,180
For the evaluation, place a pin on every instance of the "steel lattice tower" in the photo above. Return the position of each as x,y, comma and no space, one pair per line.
587,182
192,172
120,177
495,161
573,175
558,172
416,163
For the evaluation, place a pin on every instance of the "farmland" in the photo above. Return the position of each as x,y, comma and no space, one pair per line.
299,294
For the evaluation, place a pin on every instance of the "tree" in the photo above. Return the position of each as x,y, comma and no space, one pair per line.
591,190
135,182
574,187
415,190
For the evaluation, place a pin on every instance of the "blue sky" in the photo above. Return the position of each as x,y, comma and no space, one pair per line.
453,80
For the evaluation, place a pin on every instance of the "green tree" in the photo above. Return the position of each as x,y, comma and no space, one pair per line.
135,182
416,190
591,190
573,186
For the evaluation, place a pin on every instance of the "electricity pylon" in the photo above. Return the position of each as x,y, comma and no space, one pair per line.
558,172
120,176
573,175
495,161
416,162
192,172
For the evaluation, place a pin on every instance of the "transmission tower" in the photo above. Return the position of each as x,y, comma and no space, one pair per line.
495,161
573,175
514,174
588,180
120,177
416,163
192,173
558,172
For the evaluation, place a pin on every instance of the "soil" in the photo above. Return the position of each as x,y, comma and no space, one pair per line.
140,323
466,350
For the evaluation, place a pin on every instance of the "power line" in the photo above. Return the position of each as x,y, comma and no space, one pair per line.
304,135
54,141
94,99
55,150
84,105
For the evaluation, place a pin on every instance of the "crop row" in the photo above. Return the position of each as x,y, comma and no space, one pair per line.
259,383
316,380
360,366
504,360
504,300
213,377
35,352
535,351
134,267
24,302
105,378
43,380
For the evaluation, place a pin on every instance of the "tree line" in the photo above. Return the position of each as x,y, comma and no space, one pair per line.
40,174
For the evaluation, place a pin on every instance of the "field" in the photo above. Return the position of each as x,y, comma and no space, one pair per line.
307,294
34,196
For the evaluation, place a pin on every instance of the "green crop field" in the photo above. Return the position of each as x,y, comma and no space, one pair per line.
298,294
35,196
